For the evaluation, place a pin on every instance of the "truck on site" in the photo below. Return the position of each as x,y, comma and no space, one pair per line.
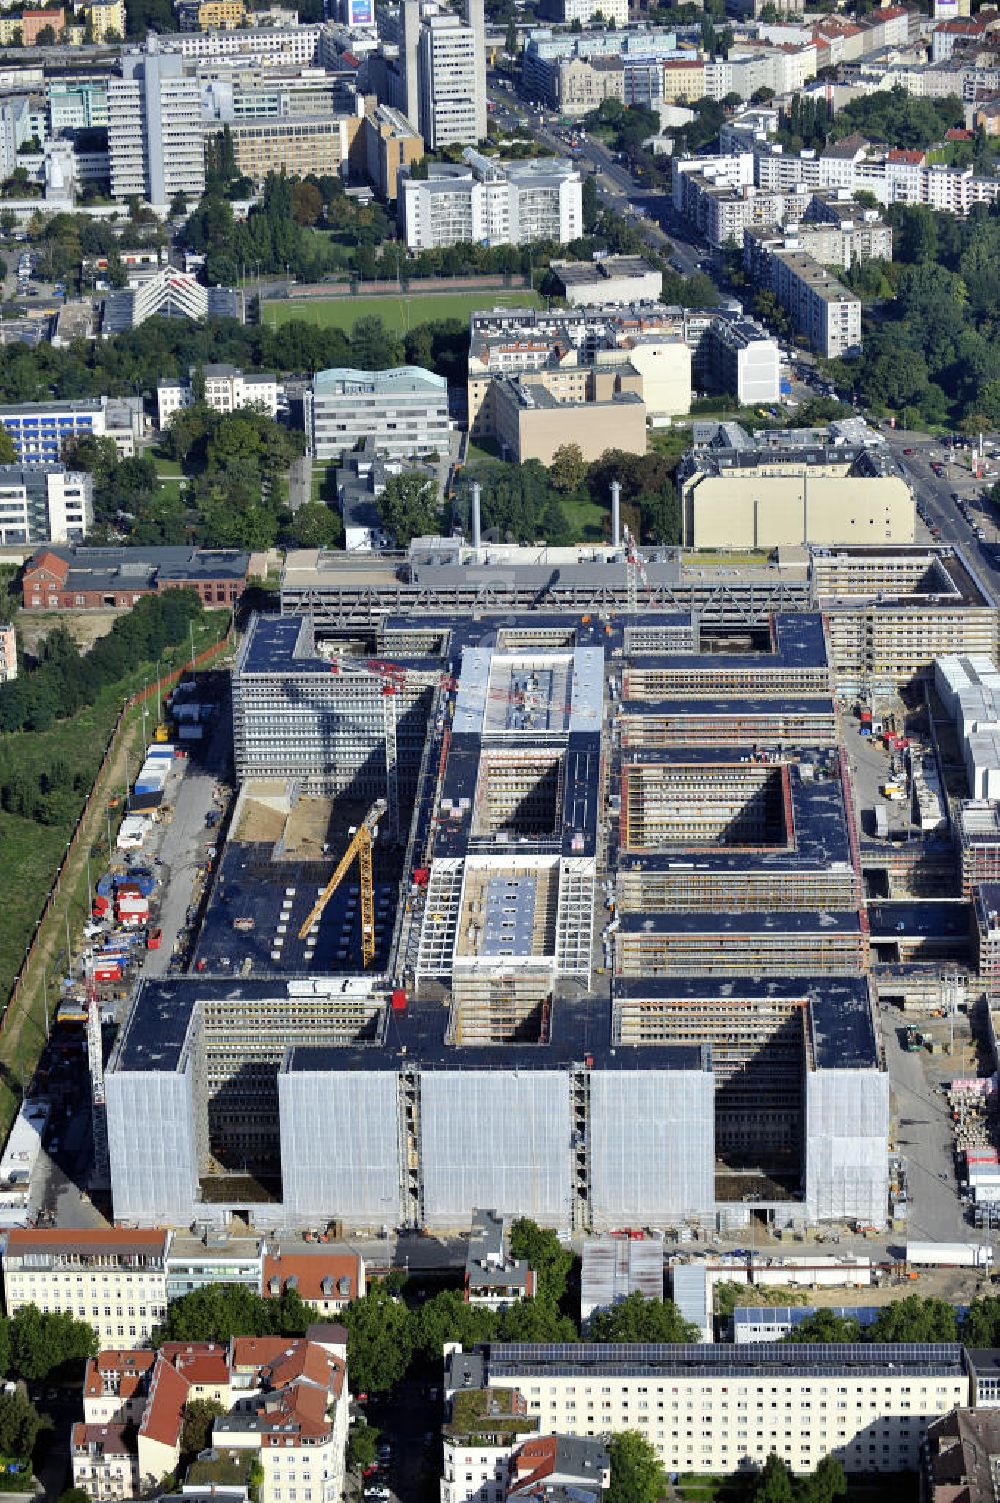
894,791
881,822
948,1255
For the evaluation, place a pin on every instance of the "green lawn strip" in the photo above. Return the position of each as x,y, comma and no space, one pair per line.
398,312
590,521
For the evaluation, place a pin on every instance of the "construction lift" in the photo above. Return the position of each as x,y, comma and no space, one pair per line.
360,846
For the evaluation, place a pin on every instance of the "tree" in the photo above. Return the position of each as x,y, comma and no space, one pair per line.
20,1423
773,1484
591,203
409,507
75,1495
307,203
46,37
448,1317
380,1332
8,451
568,469
915,1319
41,1343
314,526
825,1484
220,1311
823,1326
636,1318
545,1254
510,41
637,1474
362,1446
178,205
196,1429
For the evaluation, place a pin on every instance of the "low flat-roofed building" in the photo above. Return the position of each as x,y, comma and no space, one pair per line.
615,1267
611,279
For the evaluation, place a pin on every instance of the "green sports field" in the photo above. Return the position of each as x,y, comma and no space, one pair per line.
398,313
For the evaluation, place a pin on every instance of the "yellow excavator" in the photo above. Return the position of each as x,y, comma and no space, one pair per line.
360,846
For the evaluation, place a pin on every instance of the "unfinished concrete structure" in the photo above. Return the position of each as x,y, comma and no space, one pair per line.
625,983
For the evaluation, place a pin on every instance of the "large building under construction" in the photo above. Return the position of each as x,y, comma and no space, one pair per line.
624,978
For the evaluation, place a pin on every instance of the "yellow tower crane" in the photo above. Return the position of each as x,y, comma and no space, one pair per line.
360,846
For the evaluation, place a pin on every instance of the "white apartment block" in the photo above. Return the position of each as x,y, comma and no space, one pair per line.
44,504
155,144
714,1409
226,390
820,307
452,82
113,1279
492,203
276,47
615,12
404,410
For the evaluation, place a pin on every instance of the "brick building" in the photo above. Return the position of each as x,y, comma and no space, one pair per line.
88,578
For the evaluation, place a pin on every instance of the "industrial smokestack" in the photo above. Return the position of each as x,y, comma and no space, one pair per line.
616,514
477,523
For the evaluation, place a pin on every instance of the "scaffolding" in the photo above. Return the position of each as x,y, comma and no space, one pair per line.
682,949
678,804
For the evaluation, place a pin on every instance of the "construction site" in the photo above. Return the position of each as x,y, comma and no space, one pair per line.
493,925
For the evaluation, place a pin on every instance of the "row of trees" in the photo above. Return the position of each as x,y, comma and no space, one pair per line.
63,679
933,354
913,1318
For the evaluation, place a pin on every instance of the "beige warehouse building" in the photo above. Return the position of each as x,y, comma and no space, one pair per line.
764,498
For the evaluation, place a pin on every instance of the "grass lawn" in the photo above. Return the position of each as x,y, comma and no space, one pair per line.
398,313
324,488
589,519
167,469
487,448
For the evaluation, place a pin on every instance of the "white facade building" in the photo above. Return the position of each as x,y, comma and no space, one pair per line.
44,504
404,410
113,1279
711,1409
155,143
444,68
491,202
615,12
226,389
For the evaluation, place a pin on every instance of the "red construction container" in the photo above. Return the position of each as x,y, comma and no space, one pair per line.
107,972
101,905
399,1000
421,875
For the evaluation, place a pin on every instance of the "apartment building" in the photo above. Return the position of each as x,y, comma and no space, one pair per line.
33,22
612,12
821,308
195,1262
114,1279
444,74
39,430
106,19
492,203
221,15
741,358
285,1403
493,1278
596,407
8,652
327,1281
391,145
711,1409
582,84
273,47
155,145
299,146
226,388
405,410
493,1453
547,53
44,504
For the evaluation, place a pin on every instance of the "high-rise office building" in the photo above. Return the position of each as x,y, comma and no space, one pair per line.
154,130
444,66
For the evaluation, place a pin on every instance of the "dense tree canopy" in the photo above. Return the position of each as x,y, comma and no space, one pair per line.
637,1474
636,1318
221,1311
